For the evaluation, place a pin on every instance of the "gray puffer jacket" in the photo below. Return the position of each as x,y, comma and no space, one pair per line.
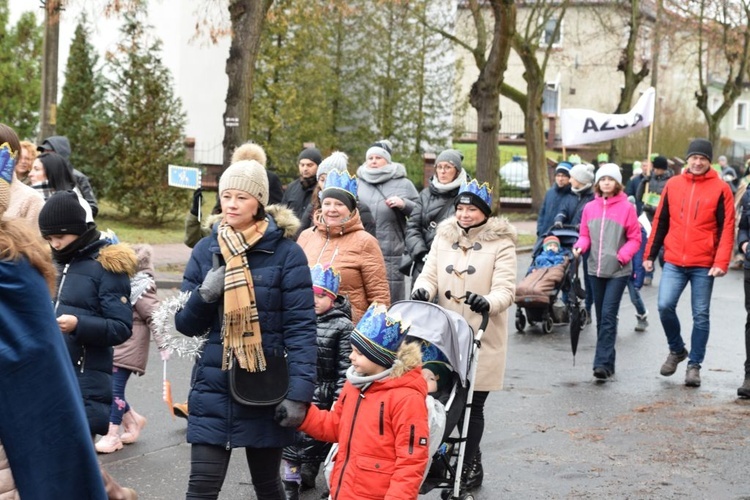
390,223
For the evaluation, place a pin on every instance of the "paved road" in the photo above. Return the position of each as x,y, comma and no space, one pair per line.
553,432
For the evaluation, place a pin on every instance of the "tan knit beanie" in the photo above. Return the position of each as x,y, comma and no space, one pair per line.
248,176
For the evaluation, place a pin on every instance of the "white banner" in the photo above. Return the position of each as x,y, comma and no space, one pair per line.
584,126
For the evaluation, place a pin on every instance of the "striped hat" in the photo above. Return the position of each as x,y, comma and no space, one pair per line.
378,335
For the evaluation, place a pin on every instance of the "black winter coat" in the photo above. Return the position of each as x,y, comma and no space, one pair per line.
432,208
297,197
284,297
95,287
334,347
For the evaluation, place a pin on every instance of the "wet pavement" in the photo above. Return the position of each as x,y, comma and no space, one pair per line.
553,433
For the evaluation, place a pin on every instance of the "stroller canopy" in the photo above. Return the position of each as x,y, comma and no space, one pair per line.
446,330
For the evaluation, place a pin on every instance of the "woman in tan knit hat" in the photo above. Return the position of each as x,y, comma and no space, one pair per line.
250,289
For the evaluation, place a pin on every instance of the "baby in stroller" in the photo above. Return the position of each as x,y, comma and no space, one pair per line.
549,274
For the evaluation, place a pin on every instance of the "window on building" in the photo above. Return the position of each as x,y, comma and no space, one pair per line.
741,117
549,32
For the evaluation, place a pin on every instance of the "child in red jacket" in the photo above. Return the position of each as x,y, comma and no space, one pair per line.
380,418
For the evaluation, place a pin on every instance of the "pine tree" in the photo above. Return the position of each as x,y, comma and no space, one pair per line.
148,123
82,114
20,71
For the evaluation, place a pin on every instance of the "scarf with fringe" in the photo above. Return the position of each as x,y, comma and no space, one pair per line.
241,326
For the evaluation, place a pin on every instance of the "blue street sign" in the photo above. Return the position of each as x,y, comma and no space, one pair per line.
184,177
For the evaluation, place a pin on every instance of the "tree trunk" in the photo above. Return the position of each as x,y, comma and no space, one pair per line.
49,68
533,125
248,18
485,92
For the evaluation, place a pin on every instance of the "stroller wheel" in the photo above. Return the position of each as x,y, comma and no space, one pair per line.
547,324
520,323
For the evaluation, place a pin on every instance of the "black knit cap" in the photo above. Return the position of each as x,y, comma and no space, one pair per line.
660,162
62,213
341,195
700,147
312,154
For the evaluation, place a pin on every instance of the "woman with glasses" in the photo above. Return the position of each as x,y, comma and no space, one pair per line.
435,205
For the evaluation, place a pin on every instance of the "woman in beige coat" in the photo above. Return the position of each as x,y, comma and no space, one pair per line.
474,255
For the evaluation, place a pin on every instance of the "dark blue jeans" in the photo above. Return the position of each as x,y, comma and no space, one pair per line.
607,297
674,279
120,406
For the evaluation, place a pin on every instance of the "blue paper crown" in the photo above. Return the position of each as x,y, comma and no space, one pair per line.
327,278
338,179
483,191
378,334
7,162
431,354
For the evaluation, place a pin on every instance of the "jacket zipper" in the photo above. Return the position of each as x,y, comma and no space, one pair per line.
382,412
349,442
686,221
601,237
82,359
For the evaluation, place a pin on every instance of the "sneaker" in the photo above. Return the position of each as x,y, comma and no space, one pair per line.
601,373
111,442
180,409
744,391
474,474
674,359
642,322
693,376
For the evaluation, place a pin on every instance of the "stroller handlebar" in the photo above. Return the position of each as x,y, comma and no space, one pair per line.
463,298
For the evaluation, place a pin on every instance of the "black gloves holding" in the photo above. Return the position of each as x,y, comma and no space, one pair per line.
420,294
197,200
290,413
212,287
477,303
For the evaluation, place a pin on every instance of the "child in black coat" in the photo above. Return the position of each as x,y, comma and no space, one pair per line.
302,460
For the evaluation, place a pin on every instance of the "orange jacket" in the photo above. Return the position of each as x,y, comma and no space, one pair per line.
694,222
383,438
354,253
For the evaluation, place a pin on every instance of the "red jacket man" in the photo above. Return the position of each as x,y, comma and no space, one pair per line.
695,223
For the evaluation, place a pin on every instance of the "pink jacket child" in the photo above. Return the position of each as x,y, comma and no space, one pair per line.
610,229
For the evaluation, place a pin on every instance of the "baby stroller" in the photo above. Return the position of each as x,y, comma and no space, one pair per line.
538,293
452,335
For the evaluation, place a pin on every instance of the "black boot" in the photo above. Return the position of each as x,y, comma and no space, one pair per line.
291,488
744,390
473,473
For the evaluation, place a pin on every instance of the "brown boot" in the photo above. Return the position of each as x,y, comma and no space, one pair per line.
114,490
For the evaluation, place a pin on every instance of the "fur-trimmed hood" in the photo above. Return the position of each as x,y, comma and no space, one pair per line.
285,219
119,258
408,356
494,229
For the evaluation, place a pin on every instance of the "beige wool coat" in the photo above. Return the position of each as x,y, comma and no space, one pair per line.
481,260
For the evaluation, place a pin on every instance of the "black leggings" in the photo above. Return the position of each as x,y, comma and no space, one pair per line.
476,425
209,464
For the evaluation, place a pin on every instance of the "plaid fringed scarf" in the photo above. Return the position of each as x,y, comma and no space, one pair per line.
241,328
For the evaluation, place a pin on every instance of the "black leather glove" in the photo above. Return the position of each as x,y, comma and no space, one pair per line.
197,200
290,413
420,294
212,287
477,303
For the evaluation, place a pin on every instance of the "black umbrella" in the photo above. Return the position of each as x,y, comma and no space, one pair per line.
574,301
